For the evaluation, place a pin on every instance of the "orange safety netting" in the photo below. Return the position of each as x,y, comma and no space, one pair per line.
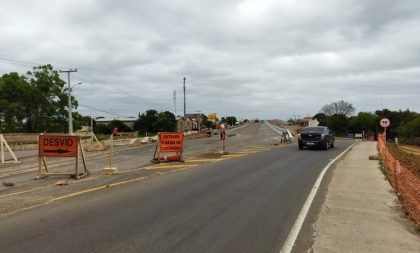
403,180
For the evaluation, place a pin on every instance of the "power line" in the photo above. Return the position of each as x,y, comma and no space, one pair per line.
33,64
100,110
18,62
26,63
148,102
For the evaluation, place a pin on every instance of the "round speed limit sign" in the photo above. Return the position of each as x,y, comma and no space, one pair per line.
385,122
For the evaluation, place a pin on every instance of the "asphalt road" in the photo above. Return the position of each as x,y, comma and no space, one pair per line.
246,204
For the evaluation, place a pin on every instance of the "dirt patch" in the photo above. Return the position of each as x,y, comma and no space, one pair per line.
410,149
408,159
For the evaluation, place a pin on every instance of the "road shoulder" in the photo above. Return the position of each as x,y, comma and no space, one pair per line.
361,212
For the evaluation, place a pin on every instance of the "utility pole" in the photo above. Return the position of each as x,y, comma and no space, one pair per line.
175,102
69,97
185,107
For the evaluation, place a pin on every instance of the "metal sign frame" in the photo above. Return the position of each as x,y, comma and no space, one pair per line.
61,146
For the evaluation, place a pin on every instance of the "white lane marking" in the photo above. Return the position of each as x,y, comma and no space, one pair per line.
294,232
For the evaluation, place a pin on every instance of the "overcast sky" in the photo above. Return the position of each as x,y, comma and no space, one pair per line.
253,58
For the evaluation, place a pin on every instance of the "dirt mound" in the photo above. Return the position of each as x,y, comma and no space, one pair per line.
409,160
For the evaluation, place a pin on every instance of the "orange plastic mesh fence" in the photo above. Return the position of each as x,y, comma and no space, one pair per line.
406,183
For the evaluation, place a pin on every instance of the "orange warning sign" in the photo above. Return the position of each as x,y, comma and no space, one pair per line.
171,142
58,146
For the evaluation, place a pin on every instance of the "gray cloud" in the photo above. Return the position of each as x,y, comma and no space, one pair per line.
267,59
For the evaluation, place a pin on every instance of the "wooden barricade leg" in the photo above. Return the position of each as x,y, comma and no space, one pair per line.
110,170
3,144
76,174
1,149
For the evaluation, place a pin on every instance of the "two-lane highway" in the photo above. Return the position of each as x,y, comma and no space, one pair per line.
246,204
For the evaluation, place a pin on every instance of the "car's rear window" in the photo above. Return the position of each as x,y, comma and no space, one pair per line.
313,130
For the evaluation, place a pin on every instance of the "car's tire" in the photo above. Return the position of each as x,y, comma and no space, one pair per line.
300,146
326,145
332,145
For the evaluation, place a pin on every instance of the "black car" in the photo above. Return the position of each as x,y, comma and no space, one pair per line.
319,136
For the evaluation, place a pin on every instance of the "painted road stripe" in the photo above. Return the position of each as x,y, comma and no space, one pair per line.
233,155
170,166
294,232
205,160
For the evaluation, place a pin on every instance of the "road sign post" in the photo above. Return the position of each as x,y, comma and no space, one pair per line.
110,170
60,146
223,137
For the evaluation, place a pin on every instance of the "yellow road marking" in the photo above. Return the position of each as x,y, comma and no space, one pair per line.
205,160
233,155
169,166
257,149
126,171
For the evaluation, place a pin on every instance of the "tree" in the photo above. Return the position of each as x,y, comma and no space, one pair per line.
340,107
16,100
120,125
166,122
206,122
410,129
338,123
364,121
147,122
231,120
49,111
322,118
102,129
35,102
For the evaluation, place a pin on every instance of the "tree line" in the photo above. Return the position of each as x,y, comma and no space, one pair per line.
338,116
149,122
152,122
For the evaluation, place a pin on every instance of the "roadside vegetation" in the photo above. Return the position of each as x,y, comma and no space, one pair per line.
339,117
34,102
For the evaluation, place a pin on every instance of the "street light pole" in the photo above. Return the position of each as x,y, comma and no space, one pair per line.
69,98
185,107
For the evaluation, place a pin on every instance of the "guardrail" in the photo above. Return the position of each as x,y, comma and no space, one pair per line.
405,182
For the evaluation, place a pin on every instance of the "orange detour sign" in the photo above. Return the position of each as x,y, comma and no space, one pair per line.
60,146
169,147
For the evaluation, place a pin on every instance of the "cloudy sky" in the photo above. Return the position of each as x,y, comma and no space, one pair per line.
248,58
